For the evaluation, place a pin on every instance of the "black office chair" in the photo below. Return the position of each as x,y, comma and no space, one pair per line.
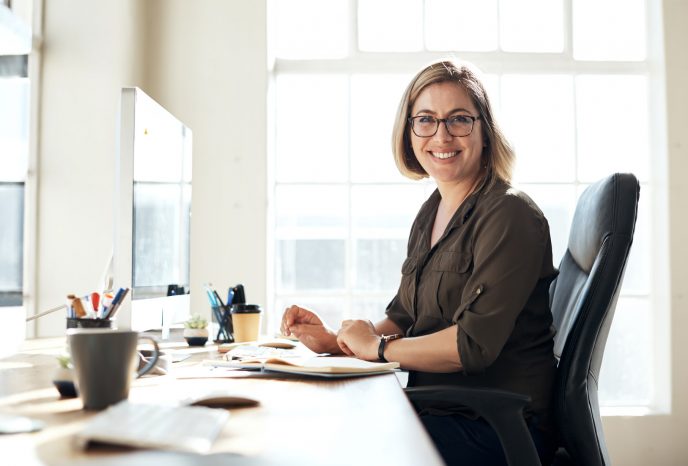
583,299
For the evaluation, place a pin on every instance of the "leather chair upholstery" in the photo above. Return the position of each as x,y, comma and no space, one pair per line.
583,299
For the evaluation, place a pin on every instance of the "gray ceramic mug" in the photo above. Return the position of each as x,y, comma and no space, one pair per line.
105,363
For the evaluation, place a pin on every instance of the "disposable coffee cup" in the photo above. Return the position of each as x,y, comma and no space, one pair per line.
246,321
105,363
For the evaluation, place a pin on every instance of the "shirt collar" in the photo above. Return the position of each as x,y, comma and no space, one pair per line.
460,217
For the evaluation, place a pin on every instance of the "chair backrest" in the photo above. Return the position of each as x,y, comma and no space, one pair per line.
583,298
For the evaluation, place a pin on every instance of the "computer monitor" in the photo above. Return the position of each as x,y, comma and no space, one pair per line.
153,214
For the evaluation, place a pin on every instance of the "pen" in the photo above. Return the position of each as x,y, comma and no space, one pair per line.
219,300
239,297
211,298
115,302
95,301
106,301
114,310
78,307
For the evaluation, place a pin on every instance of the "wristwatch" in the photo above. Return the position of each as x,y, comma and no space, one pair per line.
383,341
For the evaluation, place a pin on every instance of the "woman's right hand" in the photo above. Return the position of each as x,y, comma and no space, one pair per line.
309,328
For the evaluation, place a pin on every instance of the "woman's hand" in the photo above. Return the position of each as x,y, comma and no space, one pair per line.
358,338
309,328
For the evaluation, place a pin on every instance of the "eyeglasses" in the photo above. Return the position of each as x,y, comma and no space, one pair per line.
426,126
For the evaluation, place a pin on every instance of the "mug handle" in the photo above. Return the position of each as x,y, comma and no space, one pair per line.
153,359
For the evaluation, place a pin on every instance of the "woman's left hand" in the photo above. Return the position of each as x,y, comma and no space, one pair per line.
358,338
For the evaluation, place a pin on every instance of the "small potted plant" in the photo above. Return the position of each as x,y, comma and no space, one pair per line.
196,330
63,379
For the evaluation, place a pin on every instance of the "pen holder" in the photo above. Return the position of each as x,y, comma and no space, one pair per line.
223,318
76,322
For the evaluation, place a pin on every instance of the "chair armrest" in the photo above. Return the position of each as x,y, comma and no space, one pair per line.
501,409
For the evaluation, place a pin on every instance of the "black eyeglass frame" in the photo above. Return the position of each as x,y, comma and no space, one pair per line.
446,126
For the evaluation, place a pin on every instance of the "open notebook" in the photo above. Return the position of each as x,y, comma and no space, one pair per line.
319,366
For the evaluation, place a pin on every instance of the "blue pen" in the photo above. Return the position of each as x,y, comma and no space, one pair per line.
112,312
115,301
230,296
211,295
211,298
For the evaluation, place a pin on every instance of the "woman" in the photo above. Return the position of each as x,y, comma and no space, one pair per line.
473,307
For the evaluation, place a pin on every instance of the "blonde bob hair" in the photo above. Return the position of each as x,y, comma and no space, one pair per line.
498,156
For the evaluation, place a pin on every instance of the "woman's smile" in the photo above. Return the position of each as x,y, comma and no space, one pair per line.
444,155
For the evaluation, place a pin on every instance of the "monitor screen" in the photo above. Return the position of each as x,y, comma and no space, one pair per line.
153,208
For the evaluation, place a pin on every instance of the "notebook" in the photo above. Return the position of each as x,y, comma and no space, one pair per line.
182,428
317,366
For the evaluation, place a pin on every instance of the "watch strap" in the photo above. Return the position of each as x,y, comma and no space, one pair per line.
381,349
383,342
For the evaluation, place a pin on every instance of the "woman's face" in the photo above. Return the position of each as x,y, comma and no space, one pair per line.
446,158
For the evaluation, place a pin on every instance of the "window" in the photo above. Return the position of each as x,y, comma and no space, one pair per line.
573,91
14,137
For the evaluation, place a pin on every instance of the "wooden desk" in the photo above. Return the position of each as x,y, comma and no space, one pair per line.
358,421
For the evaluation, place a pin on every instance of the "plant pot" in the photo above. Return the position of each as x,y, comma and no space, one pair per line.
196,336
64,382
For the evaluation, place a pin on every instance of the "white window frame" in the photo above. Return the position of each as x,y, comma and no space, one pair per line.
12,318
498,63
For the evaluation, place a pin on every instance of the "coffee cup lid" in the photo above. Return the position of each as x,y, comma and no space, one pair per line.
245,309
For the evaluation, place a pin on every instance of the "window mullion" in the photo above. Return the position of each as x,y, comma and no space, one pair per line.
567,19
354,50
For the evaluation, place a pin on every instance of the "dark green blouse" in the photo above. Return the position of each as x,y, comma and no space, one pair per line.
490,274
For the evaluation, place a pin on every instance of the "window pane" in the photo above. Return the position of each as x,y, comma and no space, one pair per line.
310,28
14,128
331,310
312,128
558,203
390,25
385,211
531,25
374,102
311,264
626,377
311,232
11,243
609,30
377,263
537,114
381,221
612,123
494,93
461,25
311,211
372,309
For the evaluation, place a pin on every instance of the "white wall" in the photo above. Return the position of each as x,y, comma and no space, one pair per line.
90,50
205,61
207,64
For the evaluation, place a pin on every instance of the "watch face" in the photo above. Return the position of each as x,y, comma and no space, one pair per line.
392,337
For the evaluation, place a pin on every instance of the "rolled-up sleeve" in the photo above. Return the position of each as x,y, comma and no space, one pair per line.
509,244
397,314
